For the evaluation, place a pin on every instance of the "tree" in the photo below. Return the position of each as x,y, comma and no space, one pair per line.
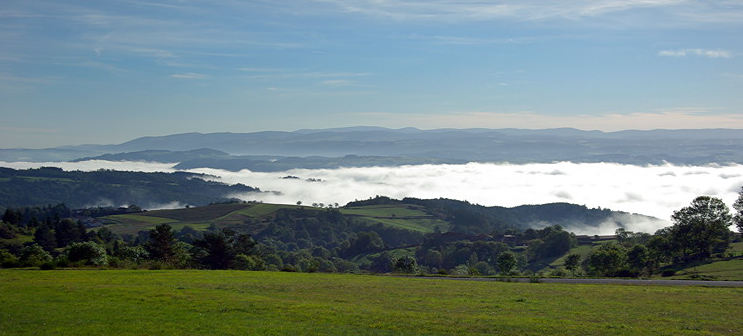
161,245
701,228
506,261
738,206
572,262
405,264
638,258
44,236
607,260
225,249
383,263
67,231
7,231
660,250
219,253
434,258
88,252
13,217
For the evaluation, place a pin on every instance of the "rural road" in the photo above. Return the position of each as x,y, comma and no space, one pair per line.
610,281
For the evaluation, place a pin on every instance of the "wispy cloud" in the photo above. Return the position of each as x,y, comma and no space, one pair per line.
10,84
451,10
189,75
337,82
291,74
710,53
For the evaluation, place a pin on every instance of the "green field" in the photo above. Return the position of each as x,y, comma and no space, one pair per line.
399,216
199,218
142,302
409,217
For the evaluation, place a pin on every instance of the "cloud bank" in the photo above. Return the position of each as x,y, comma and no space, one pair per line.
649,190
697,52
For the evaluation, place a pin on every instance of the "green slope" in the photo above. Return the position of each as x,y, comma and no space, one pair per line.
407,217
403,216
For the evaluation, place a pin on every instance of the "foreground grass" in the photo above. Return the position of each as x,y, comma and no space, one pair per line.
139,302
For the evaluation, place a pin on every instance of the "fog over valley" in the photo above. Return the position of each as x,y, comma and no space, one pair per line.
653,190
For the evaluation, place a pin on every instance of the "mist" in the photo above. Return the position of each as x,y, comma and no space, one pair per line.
649,190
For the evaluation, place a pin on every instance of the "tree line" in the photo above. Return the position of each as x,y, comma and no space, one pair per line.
324,240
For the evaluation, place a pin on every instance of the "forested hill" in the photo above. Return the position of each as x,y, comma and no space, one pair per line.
77,189
471,218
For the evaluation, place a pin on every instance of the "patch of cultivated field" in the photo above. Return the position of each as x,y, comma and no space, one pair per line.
400,216
192,302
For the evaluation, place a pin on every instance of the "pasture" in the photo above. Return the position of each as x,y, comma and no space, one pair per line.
194,302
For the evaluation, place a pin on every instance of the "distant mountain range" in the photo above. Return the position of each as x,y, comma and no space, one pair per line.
375,146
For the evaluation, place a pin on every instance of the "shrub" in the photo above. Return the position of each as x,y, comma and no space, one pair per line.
135,254
88,253
558,273
535,279
248,262
49,265
406,265
34,255
460,270
7,258
668,273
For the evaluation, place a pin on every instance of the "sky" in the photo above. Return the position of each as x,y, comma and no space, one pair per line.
657,190
104,72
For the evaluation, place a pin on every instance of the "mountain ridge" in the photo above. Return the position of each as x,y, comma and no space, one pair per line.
693,146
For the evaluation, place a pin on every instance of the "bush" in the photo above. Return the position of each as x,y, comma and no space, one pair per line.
248,262
668,273
6,232
460,270
10,263
88,253
406,265
62,261
558,273
121,263
7,258
49,265
34,255
135,254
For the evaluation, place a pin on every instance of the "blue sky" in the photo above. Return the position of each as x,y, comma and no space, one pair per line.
74,72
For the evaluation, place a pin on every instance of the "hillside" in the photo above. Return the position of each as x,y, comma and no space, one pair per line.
416,215
77,189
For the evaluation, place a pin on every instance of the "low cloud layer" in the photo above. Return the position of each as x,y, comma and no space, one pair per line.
649,190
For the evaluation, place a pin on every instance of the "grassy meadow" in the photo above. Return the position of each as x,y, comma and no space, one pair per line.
193,302
399,216
402,216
